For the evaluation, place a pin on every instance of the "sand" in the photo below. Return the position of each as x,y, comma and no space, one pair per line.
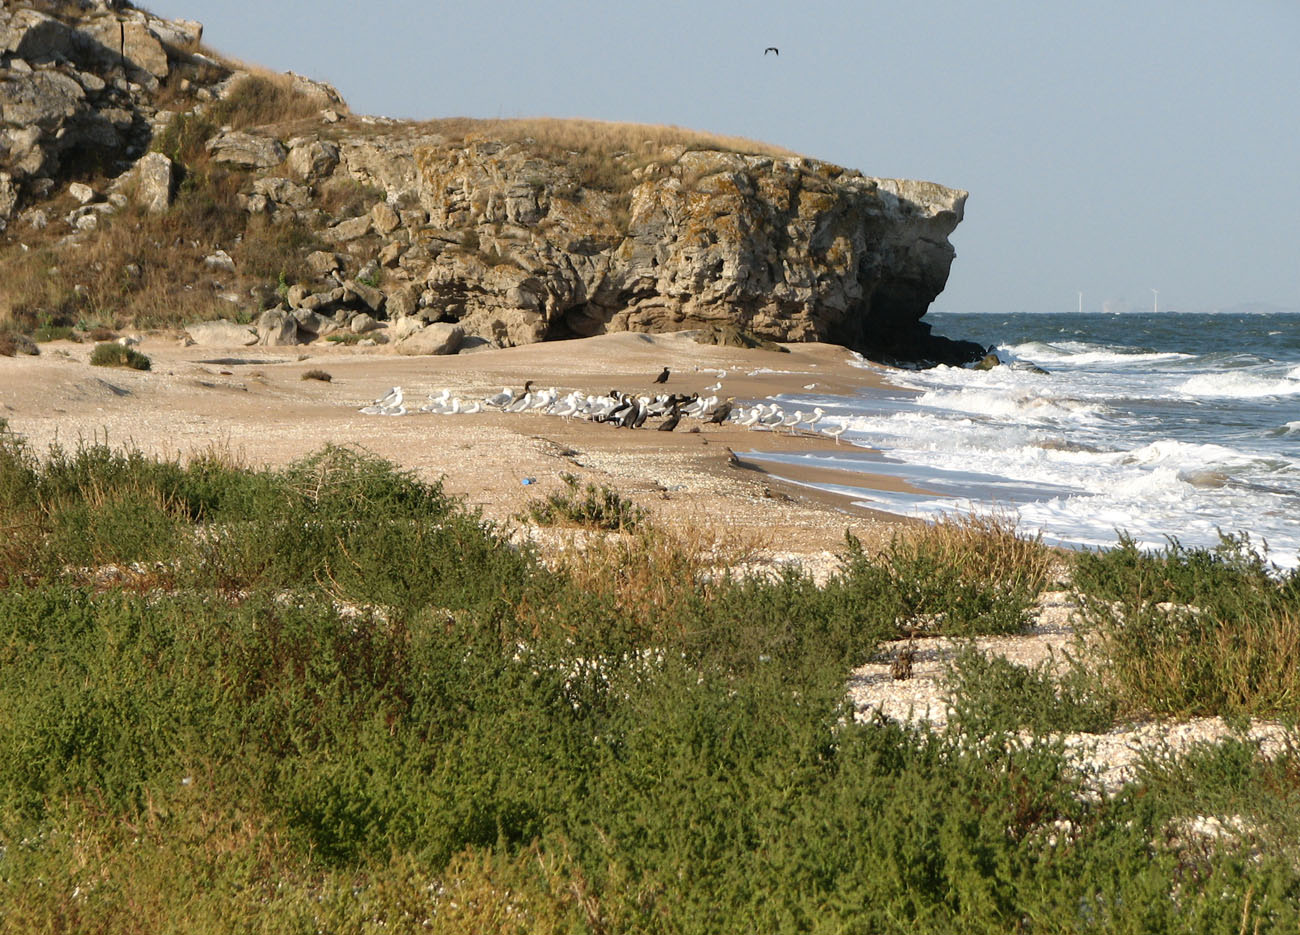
254,403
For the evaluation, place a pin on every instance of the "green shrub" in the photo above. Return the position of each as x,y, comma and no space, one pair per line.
590,506
989,694
115,355
1186,632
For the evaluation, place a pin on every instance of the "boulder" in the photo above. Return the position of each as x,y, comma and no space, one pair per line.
439,338
283,192
155,182
82,192
404,327
371,297
248,150
310,324
402,302
313,160
383,219
362,323
221,333
276,328
295,294
219,260
114,38
322,263
348,230
8,197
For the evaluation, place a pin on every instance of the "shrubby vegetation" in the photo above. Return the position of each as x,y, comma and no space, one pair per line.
331,698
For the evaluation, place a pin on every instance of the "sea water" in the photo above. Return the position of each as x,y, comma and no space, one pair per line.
1153,425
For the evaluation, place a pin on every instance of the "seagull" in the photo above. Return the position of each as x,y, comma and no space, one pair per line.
835,431
382,406
817,413
772,48
752,417
500,399
663,377
714,388
792,421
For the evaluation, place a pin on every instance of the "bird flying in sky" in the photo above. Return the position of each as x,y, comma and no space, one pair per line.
772,48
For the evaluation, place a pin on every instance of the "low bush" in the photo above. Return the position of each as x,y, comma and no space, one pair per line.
315,374
1186,632
116,355
989,694
961,576
589,506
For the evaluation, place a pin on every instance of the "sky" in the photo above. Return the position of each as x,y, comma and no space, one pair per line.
1109,148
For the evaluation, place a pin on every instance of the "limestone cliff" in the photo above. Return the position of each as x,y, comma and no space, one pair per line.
789,248
513,232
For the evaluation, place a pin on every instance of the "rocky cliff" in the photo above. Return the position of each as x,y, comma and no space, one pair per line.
507,232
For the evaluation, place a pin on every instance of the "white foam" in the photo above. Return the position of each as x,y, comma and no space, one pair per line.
1238,385
1011,402
1079,354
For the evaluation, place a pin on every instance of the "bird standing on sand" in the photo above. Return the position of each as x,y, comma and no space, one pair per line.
526,391
721,413
671,422
663,377
835,431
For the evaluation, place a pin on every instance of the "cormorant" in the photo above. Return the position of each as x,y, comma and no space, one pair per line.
663,377
671,422
528,386
721,413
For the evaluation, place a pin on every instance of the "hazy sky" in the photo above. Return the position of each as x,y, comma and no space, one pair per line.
1110,147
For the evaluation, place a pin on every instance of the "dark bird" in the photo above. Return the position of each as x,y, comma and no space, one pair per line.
671,422
642,412
720,414
772,48
528,387
663,377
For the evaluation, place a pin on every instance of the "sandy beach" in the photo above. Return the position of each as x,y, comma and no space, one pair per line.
253,402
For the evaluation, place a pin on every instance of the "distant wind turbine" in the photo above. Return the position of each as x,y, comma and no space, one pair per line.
1155,301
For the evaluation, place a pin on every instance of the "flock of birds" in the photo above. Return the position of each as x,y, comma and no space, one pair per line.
624,410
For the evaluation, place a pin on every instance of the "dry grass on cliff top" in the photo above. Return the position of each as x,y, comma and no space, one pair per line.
580,135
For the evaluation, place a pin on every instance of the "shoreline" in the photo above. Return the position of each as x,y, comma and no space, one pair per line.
253,403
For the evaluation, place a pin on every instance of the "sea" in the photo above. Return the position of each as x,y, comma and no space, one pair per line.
1158,426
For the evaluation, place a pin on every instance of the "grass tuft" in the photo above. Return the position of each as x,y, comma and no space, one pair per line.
116,355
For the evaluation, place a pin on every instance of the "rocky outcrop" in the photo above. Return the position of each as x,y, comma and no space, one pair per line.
492,236
787,248
73,89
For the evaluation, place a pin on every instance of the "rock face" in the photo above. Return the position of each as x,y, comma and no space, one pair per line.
790,249
71,86
499,236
